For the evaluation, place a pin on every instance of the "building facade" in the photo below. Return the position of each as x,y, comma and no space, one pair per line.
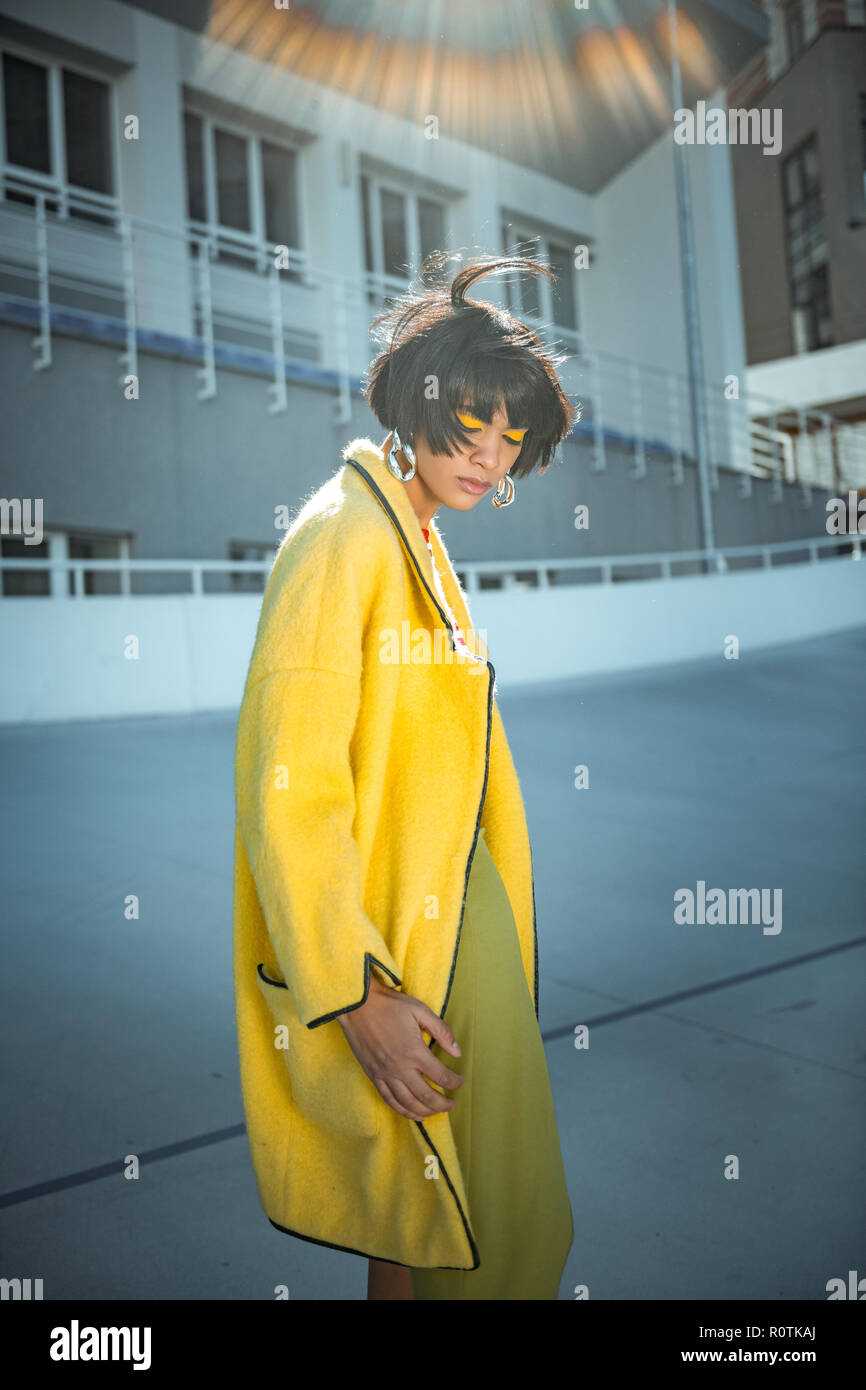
194,237
801,228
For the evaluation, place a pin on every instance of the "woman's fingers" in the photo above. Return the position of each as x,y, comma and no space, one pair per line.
437,1028
436,1070
385,1034
388,1095
419,1099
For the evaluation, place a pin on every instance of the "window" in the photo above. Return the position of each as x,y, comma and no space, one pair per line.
84,547
395,242
400,229
85,114
242,187
232,181
279,177
535,296
562,288
63,545
431,226
193,129
794,31
18,583
25,108
249,581
57,126
806,236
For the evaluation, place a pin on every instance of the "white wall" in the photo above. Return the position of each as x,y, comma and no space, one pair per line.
634,296
812,378
626,626
64,659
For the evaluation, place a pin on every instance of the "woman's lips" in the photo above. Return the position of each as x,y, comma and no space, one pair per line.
471,485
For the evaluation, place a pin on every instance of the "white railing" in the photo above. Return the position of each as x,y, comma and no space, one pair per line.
772,450
537,573
220,290
806,446
511,574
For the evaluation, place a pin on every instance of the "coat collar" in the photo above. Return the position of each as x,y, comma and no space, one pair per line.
368,461
393,497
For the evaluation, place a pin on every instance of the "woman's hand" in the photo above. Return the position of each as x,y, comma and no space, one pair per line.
385,1036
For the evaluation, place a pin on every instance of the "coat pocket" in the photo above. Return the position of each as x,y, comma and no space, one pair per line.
329,1084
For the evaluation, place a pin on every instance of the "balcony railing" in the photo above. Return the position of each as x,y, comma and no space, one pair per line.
476,577
70,261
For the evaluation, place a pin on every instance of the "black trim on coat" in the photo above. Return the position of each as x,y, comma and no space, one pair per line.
444,1171
491,678
491,675
396,520
369,959
374,487
472,850
349,1250
365,1254
280,984
534,927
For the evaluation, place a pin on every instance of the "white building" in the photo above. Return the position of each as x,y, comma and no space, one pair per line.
201,214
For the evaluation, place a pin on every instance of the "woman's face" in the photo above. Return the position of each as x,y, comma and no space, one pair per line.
473,472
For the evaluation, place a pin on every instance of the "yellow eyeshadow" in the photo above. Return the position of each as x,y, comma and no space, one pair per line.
471,423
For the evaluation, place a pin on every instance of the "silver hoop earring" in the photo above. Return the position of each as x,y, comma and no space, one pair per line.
408,453
500,501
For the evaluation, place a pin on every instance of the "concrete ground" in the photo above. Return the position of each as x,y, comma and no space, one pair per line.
707,1043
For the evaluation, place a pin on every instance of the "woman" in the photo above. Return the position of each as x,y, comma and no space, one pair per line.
385,938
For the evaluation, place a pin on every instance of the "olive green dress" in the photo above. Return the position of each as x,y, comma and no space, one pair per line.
503,1121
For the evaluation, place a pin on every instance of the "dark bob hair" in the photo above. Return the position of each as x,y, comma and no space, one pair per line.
445,352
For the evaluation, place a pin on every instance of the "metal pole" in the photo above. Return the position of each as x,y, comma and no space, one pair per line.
690,295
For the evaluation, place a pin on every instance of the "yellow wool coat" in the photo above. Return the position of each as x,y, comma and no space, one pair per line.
369,752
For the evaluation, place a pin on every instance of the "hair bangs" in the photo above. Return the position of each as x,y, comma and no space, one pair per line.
446,353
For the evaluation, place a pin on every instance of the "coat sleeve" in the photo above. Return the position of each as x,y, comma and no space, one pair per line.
296,805
295,789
